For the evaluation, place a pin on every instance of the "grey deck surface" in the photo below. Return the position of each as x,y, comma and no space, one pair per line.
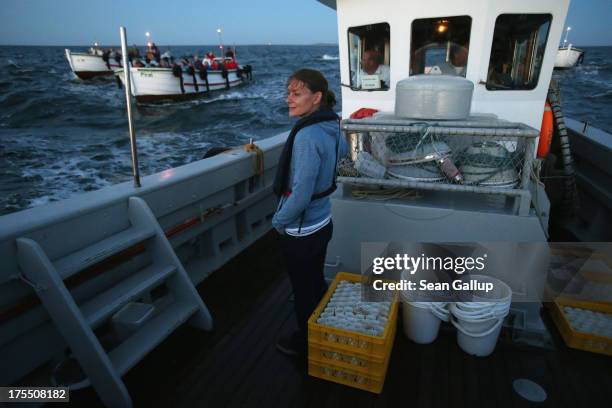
237,364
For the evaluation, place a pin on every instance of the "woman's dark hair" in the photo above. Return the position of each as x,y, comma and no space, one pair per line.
315,82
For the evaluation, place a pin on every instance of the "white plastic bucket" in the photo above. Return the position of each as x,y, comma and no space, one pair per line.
478,344
440,310
480,307
477,326
420,324
502,293
473,323
483,313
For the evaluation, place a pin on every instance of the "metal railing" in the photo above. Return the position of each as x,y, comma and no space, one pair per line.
479,155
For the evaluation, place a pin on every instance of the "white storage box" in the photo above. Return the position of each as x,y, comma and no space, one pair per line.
433,97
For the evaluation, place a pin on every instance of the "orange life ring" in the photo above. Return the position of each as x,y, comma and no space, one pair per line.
546,132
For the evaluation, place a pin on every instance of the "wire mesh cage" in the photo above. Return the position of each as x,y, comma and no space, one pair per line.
481,155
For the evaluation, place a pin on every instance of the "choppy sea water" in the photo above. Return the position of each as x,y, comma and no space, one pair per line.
60,135
586,90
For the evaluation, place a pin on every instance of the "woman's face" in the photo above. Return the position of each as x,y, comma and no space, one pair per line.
300,100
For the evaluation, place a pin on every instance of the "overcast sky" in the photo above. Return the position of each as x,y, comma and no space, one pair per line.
192,22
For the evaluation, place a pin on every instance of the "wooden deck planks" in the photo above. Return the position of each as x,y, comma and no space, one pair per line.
237,365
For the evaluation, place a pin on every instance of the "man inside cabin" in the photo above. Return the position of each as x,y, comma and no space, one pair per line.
371,64
458,59
455,65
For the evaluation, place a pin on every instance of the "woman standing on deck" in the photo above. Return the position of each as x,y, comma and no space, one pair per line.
304,180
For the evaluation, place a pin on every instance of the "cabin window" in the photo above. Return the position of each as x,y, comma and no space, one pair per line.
370,57
517,52
440,45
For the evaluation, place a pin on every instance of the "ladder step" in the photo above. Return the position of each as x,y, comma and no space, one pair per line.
132,350
91,255
101,307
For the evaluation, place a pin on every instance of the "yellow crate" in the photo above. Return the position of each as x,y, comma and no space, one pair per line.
372,366
345,376
576,339
350,341
347,357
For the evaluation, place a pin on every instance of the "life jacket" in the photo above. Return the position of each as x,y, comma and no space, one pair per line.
281,181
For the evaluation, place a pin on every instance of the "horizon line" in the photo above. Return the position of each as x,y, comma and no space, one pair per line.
166,45
226,45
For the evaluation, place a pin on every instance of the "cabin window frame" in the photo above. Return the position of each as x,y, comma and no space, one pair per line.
352,86
534,57
411,51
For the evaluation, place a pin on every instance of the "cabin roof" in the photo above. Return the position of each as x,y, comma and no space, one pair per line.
328,3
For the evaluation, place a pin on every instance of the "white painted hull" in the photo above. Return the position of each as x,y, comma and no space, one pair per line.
87,66
567,57
152,84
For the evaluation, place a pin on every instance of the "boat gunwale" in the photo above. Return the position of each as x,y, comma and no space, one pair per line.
570,49
84,54
156,69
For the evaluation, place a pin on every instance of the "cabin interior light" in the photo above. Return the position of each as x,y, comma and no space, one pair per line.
442,26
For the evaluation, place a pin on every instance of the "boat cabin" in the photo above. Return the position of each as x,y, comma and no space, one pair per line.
506,48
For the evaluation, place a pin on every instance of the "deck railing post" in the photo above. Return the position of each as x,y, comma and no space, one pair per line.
128,100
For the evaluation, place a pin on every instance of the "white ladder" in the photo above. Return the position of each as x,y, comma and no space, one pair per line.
76,323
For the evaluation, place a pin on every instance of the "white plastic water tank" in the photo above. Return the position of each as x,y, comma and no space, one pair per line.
433,97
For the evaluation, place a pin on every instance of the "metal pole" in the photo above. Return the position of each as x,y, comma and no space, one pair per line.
586,127
128,99
221,42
